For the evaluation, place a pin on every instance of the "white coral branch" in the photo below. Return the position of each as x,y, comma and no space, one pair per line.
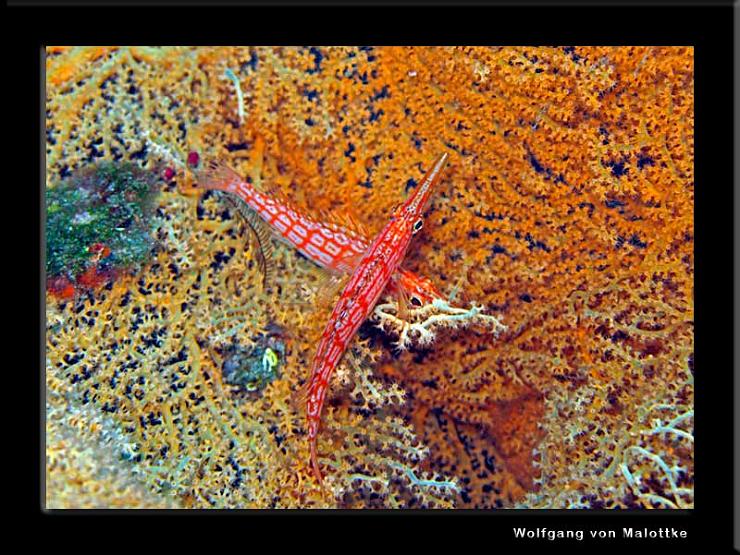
421,323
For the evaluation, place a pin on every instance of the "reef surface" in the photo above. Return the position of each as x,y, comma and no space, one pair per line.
566,209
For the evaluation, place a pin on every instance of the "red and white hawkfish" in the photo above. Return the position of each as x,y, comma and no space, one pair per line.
333,246
375,269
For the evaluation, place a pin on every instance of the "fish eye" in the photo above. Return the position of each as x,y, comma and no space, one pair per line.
416,301
418,225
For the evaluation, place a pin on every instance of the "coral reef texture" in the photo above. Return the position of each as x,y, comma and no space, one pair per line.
566,210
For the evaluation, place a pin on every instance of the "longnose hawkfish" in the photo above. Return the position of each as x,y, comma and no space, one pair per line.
374,270
333,246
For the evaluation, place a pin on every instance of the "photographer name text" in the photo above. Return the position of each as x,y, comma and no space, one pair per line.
630,533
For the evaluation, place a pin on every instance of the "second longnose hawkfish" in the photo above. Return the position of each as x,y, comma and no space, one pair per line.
374,270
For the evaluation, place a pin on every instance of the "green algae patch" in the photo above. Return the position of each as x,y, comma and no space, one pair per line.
98,222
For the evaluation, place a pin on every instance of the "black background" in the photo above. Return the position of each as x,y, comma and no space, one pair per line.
28,29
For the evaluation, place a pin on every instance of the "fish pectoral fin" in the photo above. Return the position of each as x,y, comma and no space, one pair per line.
261,236
402,299
351,259
329,288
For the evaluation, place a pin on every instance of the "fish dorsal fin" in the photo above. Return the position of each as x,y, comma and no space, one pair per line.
219,176
350,357
355,224
274,189
300,396
262,236
344,220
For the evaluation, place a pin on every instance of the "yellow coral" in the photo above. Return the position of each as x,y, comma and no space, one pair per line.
568,212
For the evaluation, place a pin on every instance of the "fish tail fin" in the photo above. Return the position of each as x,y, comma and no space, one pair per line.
217,175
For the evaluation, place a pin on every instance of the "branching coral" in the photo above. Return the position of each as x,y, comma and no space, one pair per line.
566,212
89,462
383,459
648,464
418,324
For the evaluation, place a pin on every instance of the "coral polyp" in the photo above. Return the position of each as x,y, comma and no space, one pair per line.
566,215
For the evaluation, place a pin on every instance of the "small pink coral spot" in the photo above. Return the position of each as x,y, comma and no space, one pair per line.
168,174
193,159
